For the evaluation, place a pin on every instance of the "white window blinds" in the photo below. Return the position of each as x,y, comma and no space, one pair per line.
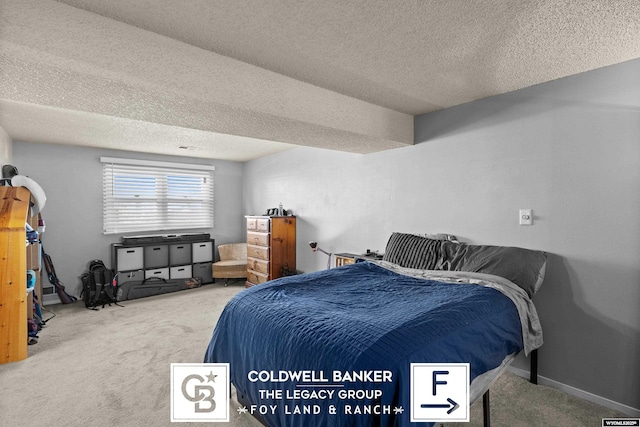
153,196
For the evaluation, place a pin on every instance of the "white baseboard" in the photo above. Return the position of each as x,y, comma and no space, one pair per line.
590,397
50,299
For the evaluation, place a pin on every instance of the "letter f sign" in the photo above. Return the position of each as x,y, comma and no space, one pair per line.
435,379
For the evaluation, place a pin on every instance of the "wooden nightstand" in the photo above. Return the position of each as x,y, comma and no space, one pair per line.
347,258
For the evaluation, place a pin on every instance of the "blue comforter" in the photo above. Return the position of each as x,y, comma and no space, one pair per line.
360,317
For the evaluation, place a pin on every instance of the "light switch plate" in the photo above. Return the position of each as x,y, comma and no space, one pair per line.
526,217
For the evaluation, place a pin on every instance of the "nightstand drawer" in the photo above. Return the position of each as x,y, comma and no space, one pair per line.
256,278
259,239
258,224
258,265
260,252
263,225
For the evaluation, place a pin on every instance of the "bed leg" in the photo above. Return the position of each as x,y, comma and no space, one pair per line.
486,409
533,378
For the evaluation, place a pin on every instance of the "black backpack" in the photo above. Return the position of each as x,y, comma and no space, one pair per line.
98,286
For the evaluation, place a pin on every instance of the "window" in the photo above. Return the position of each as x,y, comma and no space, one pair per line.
151,196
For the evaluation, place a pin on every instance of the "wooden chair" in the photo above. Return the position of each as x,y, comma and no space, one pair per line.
232,264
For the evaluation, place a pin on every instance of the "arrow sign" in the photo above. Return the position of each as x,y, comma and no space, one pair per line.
451,405
439,392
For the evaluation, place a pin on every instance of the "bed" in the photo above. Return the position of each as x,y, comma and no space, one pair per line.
335,347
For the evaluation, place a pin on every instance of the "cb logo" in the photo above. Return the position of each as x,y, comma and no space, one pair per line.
199,392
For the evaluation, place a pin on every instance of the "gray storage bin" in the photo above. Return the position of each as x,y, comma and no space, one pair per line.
156,256
128,276
203,271
180,254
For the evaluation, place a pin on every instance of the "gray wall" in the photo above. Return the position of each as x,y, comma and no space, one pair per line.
72,180
568,149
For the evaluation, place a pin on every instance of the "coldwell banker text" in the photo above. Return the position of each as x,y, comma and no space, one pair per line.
313,392
309,376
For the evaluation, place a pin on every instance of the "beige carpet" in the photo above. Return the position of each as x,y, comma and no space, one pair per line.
111,368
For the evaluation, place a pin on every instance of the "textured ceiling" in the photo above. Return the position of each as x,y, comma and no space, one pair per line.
240,79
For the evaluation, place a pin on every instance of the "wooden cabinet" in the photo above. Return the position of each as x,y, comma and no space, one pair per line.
14,204
271,247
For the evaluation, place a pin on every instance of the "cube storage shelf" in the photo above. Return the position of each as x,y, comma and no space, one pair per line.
168,260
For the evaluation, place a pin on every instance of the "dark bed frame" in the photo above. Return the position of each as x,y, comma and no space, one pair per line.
533,379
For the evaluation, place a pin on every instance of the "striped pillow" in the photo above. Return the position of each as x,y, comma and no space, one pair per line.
409,250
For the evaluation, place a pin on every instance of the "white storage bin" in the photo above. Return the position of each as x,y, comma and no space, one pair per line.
180,272
158,272
202,252
130,259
